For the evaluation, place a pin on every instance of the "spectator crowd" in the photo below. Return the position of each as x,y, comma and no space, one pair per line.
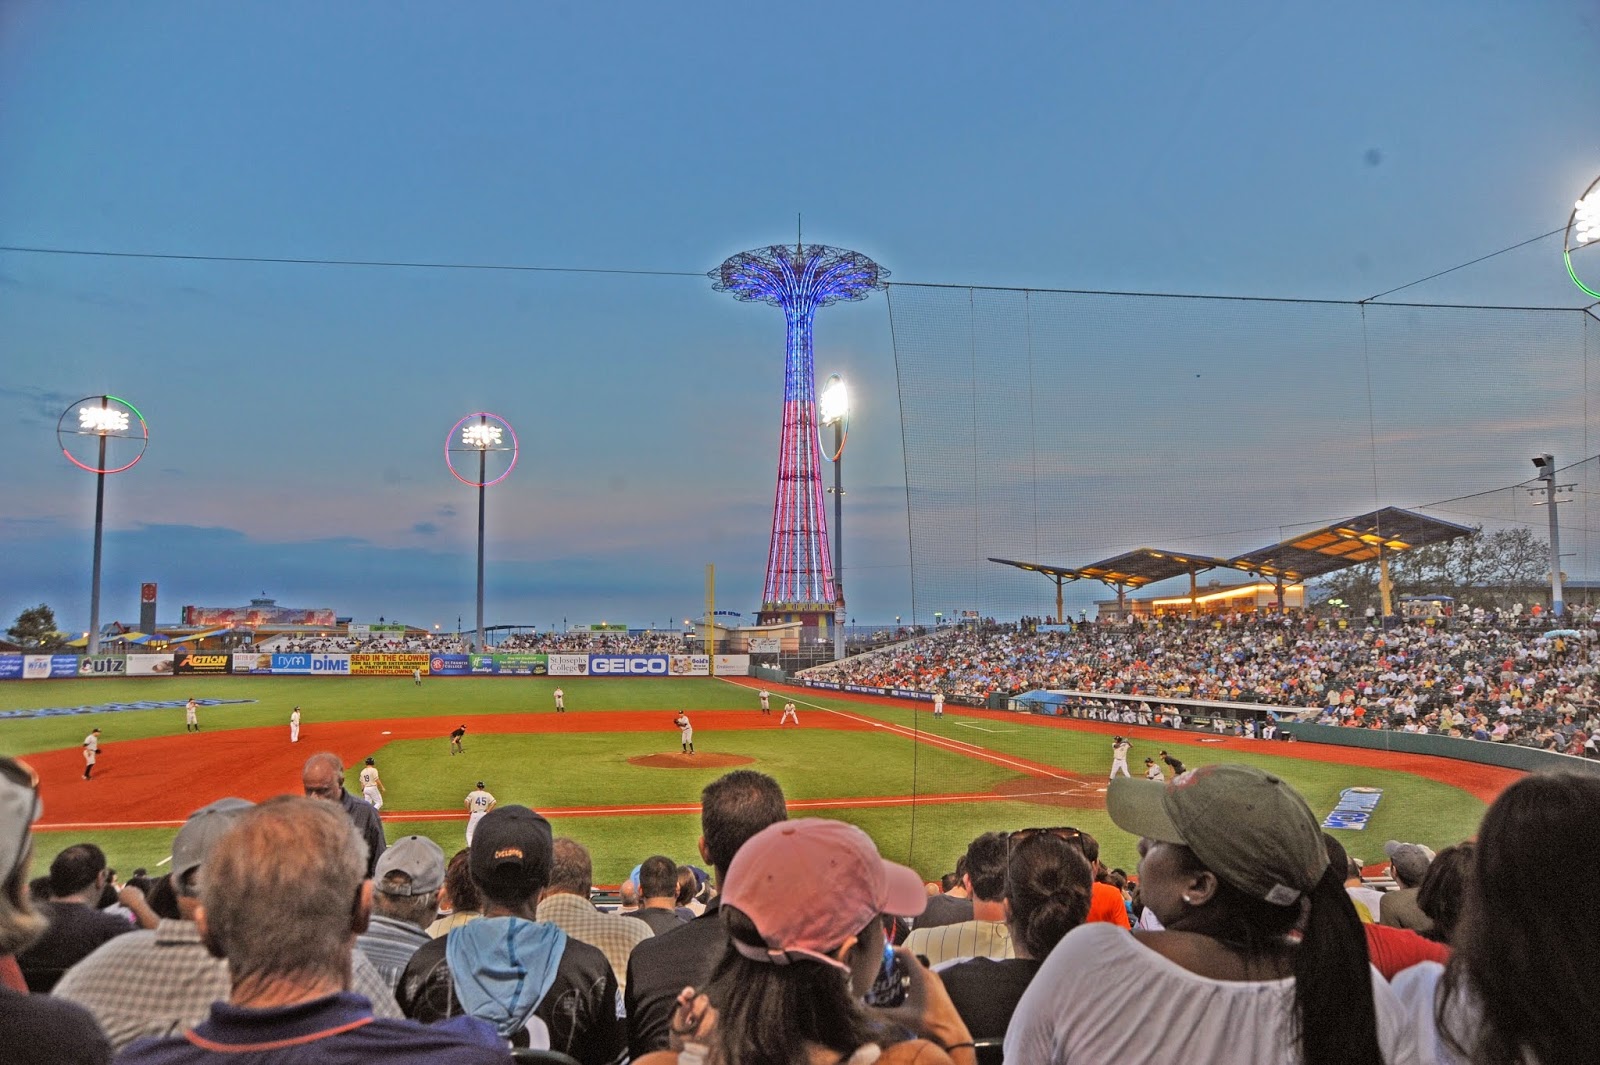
291,931
1519,684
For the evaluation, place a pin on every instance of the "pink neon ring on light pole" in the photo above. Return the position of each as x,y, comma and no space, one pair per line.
124,405
451,436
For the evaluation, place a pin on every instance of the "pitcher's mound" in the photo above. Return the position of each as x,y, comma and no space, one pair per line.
689,761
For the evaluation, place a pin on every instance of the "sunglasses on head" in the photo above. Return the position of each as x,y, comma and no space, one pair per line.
1071,835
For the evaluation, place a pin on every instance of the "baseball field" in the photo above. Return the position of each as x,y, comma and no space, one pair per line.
609,772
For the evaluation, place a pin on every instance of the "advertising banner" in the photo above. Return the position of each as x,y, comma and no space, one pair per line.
331,665
569,665
251,662
389,665
828,684
10,667
291,662
865,689
149,665
689,665
628,666
733,665
190,662
103,666
389,631
765,645
39,667
450,665
521,664
907,693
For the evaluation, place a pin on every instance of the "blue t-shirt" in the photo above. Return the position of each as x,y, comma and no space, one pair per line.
336,1030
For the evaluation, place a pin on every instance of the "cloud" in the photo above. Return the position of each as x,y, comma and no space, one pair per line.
425,528
41,405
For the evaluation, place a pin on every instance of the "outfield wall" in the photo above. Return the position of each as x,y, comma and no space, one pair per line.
1507,755
393,664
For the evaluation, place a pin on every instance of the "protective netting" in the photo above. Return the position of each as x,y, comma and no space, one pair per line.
1066,427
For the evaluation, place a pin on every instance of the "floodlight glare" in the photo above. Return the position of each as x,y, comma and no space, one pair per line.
481,436
102,420
1583,229
834,403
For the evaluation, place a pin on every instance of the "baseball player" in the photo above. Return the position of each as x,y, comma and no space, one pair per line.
294,725
1174,764
456,736
91,751
1119,756
479,802
788,712
561,701
938,703
685,732
191,718
372,788
416,676
765,697
1152,771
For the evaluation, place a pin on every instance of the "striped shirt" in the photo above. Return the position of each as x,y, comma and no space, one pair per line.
969,939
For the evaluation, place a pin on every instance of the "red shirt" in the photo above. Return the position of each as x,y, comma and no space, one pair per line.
1105,904
1394,949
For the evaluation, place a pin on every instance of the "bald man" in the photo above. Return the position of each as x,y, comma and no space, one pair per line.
323,778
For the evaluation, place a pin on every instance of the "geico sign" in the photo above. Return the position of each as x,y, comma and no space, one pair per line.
622,664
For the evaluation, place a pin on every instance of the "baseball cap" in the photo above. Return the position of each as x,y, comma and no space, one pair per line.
419,857
20,807
1248,826
809,884
201,832
511,849
1410,860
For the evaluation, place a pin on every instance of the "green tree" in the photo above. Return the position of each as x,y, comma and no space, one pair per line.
35,629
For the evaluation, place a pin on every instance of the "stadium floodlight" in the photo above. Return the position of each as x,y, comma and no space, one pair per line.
833,408
484,435
1583,230
108,422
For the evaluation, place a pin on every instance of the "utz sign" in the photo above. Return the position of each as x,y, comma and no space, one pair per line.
628,665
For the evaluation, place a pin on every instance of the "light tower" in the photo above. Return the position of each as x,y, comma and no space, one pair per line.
799,279
482,434
107,420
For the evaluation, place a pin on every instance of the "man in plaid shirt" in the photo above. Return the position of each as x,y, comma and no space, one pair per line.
164,981
565,904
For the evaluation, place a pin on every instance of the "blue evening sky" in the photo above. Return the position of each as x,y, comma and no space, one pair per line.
298,413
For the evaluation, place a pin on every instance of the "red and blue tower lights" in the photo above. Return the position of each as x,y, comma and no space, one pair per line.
799,279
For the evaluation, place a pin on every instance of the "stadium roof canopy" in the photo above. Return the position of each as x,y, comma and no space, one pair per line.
1348,543
1345,543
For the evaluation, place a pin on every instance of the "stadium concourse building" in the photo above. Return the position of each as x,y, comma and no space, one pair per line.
1281,568
262,622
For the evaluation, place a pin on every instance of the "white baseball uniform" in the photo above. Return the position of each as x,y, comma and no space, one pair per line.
561,701
788,712
91,751
190,719
1119,758
479,802
294,725
765,696
938,704
369,787
685,732
1153,772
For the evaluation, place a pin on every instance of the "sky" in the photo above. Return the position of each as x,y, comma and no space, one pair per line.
298,413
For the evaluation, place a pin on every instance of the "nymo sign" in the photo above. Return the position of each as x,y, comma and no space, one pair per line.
1354,809
627,665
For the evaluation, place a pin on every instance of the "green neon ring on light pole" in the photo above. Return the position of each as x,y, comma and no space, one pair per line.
1566,242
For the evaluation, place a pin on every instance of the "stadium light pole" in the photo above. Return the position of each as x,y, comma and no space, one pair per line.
1583,229
480,433
103,418
833,408
1546,465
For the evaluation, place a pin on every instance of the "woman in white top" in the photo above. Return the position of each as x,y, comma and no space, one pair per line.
1523,982
1262,958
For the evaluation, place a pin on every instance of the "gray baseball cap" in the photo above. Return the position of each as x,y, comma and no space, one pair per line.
419,858
201,832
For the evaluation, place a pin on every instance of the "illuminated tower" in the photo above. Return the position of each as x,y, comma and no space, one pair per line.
799,279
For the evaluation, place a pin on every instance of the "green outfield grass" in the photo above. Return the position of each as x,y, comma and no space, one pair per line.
555,770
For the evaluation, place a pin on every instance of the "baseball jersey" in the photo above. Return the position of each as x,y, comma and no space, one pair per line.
369,777
479,801
91,743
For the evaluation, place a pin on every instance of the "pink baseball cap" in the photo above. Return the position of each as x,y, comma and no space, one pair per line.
809,884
